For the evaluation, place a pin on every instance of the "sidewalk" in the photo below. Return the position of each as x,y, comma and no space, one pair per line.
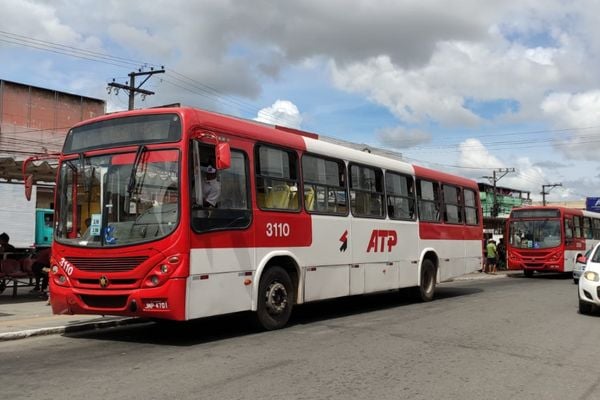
28,315
481,275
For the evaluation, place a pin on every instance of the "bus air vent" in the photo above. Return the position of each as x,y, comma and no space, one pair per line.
116,264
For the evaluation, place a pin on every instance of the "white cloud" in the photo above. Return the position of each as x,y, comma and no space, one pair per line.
432,67
526,177
578,112
282,112
473,154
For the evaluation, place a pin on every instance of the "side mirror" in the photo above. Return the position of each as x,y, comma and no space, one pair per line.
223,155
28,187
581,259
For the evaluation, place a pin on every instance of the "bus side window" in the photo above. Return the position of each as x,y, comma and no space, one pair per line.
324,184
233,209
428,199
276,178
568,228
366,191
587,228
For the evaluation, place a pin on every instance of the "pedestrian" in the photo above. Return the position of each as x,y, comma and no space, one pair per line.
501,250
41,267
491,256
5,247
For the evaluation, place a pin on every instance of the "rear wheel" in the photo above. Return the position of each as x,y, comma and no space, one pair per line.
426,290
275,299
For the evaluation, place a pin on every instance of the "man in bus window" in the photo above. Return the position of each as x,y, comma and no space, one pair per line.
211,188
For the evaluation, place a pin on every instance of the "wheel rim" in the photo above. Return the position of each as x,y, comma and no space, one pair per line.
276,298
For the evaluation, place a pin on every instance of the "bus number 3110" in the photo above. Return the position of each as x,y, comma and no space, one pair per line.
279,229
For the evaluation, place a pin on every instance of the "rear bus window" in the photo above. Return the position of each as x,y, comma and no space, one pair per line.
453,212
471,215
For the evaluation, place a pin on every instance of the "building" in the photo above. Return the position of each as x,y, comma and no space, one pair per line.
496,207
34,121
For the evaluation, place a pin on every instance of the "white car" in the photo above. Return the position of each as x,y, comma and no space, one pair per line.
580,266
589,283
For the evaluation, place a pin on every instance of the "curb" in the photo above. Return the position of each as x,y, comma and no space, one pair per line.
484,276
80,327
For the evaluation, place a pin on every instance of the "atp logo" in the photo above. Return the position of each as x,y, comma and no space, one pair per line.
382,239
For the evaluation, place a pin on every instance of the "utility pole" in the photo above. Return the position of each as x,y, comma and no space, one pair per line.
495,178
131,88
544,193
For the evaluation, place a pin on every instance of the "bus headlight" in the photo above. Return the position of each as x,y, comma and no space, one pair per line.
153,280
161,273
591,276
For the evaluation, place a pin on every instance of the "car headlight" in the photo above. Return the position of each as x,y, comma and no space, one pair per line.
591,276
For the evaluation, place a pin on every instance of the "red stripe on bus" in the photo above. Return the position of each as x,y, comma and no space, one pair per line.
436,231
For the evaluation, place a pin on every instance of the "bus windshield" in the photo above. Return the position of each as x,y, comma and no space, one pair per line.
535,234
118,199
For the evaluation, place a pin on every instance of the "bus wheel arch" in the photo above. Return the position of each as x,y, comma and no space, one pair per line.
277,292
428,277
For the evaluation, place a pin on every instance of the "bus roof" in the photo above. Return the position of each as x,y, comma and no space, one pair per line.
562,209
293,138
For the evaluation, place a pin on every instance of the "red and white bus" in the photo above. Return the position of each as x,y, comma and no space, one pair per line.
549,238
298,219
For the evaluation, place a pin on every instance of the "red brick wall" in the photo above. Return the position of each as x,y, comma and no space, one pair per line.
34,120
30,107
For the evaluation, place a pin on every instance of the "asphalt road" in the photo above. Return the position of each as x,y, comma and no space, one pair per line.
507,338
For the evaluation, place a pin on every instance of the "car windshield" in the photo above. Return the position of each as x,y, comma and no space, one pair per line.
535,234
118,199
596,256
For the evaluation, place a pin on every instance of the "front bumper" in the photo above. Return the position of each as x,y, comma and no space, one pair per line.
165,302
588,291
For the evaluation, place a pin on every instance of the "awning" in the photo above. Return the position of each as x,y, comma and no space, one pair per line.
12,170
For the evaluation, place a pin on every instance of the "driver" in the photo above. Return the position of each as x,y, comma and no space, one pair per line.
211,188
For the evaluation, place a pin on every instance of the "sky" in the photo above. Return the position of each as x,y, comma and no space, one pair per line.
467,86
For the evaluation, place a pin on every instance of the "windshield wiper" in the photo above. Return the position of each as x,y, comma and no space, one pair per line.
134,167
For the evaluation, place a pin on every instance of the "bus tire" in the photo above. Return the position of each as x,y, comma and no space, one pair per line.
528,273
426,289
275,299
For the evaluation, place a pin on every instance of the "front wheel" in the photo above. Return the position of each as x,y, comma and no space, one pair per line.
276,298
426,290
585,308
575,281
528,273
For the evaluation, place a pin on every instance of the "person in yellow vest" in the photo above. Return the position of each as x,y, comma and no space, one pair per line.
491,256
